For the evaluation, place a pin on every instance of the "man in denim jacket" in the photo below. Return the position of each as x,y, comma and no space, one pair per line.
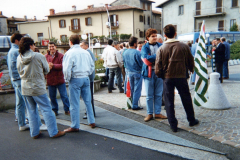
153,84
77,66
16,81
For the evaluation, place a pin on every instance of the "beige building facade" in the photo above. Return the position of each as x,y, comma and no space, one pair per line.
123,19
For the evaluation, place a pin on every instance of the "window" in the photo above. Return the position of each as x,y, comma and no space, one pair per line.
181,10
114,20
220,25
63,38
148,7
141,34
218,6
40,37
88,21
143,6
148,20
140,18
62,24
234,3
199,26
198,8
75,24
232,21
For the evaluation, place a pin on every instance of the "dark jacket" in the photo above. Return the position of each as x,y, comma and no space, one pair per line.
220,53
55,76
173,59
148,60
227,50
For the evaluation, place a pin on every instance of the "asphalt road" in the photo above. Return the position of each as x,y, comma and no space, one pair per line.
16,145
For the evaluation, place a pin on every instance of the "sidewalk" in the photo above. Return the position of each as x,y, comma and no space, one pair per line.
218,125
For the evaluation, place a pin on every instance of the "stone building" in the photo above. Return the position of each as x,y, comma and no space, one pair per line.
149,15
3,24
187,15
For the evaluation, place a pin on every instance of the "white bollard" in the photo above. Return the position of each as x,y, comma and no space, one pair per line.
217,98
231,62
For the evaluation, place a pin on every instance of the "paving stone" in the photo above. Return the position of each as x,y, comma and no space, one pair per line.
229,143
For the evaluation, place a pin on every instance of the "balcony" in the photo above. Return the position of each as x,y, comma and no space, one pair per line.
209,12
74,28
114,25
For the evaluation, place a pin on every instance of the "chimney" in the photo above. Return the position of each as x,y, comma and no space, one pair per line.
106,5
0,12
74,8
35,18
52,11
25,17
90,6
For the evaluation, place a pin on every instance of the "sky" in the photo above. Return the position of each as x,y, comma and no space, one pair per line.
40,8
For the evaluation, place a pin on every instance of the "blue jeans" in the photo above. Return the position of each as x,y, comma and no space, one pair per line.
20,103
154,90
80,87
136,87
225,69
53,96
126,79
117,72
193,77
49,117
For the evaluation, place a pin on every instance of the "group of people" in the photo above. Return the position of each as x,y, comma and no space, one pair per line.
28,71
163,66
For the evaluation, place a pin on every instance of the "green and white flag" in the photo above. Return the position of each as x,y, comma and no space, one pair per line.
201,87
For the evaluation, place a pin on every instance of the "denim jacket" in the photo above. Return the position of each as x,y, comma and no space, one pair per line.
77,63
12,62
132,60
148,60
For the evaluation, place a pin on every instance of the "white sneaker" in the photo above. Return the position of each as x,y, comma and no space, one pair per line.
23,128
43,127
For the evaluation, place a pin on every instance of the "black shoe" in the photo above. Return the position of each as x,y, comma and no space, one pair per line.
196,122
114,89
122,91
85,117
109,91
56,113
138,108
174,129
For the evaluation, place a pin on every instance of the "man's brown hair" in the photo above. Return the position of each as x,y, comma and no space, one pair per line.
16,36
74,39
132,40
150,31
169,30
52,43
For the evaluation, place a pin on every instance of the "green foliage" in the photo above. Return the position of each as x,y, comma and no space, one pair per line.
99,66
53,39
101,37
235,50
114,37
234,27
125,36
97,77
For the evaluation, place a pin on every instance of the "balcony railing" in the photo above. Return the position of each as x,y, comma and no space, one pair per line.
114,25
211,29
209,12
74,28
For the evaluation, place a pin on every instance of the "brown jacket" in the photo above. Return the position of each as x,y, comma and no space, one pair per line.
173,59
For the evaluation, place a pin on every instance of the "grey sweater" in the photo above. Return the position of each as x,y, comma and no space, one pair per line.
32,66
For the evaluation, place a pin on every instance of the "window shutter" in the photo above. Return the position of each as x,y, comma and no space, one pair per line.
149,6
116,20
72,24
86,21
59,23
234,3
64,23
79,24
116,33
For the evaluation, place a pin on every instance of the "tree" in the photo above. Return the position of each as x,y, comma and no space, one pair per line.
234,27
235,50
